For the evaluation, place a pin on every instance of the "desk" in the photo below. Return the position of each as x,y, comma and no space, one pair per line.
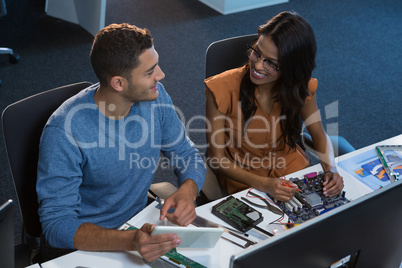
34,266
218,256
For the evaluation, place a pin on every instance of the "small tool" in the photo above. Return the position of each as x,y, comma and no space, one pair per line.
267,205
285,184
161,202
202,222
253,225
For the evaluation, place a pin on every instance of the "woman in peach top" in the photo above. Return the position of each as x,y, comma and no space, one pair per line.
254,113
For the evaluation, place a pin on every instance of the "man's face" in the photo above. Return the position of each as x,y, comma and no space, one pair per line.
142,86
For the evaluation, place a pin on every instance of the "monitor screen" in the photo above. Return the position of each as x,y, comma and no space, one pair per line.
7,234
363,233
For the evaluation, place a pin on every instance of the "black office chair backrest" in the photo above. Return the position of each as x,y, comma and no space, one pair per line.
227,54
7,234
220,56
23,123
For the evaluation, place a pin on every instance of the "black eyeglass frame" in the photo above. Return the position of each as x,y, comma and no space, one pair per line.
250,47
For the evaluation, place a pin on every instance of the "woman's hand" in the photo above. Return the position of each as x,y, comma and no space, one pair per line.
333,184
282,190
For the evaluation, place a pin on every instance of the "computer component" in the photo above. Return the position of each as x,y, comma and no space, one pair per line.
363,233
171,259
237,213
310,201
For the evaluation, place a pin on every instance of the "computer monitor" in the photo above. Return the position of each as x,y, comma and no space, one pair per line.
363,233
7,234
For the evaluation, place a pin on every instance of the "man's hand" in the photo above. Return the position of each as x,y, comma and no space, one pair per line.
152,247
92,237
183,203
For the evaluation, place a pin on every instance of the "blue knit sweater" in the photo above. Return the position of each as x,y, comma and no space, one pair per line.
98,170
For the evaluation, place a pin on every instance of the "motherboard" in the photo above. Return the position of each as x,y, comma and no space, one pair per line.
310,201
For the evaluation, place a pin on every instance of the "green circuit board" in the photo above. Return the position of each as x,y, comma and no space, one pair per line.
173,257
237,213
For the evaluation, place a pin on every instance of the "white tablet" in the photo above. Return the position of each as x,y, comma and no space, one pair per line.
192,237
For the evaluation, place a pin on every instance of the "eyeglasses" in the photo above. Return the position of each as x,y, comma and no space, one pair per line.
254,56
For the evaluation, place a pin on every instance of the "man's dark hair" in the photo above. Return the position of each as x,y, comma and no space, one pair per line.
116,49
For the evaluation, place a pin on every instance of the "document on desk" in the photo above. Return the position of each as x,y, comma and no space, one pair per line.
368,169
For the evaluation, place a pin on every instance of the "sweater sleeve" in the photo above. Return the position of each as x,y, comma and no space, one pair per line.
176,145
59,177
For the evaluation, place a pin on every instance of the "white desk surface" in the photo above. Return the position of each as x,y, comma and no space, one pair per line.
219,256
34,266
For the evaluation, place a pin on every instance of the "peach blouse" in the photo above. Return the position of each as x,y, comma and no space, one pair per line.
254,148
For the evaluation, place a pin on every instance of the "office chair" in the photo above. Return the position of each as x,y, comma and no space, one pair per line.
10,255
7,234
23,123
227,54
231,53
13,57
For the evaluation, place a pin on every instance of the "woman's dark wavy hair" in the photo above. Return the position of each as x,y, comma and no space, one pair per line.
116,49
295,40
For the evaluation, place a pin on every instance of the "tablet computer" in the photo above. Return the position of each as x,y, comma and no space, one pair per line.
192,237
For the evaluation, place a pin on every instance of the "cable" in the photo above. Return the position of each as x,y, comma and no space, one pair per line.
277,221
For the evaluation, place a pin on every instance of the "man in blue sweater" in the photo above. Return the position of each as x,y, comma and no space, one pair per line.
99,151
